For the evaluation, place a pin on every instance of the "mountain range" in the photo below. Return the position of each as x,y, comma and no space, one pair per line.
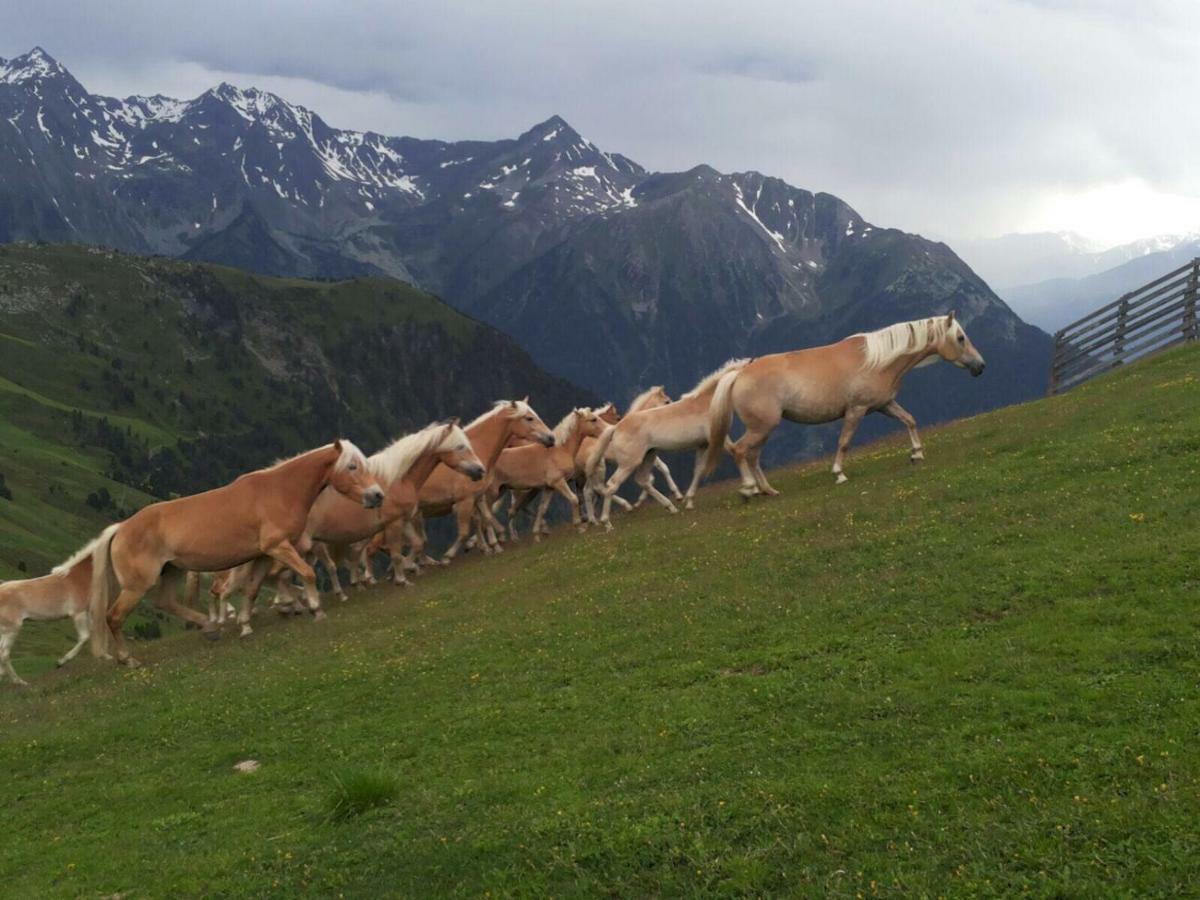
611,276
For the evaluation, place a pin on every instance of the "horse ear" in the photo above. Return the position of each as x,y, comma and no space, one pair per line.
452,421
950,318
526,400
512,404
337,445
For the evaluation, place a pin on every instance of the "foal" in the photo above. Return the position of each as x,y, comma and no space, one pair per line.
62,593
682,425
858,375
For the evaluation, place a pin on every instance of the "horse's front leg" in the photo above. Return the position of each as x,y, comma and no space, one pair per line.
645,479
854,415
661,465
898,412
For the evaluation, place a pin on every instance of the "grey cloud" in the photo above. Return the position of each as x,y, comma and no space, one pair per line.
950,118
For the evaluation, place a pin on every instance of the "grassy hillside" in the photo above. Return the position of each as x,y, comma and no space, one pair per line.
144,378
974,677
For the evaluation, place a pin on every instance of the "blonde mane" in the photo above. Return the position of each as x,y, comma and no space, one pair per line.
888,344
709,381
350,454
394,460
566,427
641,399
521,409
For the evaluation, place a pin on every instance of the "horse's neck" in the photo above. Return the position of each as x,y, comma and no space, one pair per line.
905,363
418,473
489,437
574,439
306,476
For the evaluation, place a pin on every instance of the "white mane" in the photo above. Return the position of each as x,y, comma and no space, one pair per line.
394,460
521,409
710,380
82,553
888,344
642,398
349,454
566,427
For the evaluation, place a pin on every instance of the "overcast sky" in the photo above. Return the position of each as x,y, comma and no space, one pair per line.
954,119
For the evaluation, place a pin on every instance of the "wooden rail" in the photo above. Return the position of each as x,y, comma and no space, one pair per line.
1154,317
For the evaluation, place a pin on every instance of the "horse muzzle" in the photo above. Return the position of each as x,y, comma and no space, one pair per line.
976,368
547,440
474,471
373,498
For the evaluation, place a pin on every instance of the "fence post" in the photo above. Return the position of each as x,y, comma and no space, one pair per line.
1058,349
1190,331
1119,344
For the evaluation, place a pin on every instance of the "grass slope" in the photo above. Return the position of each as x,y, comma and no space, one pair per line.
974,677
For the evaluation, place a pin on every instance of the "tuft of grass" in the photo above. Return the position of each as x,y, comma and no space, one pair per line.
356,791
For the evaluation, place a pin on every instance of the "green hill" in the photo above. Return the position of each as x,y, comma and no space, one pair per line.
123,379
974,677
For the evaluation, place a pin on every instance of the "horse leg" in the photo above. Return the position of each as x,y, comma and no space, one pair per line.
540,515
167,597
569,495
83,629
610,487
325,555
286,554
760,477
645,479
896,411
697,474
661,465
117,614
8,637
463,512
255,572
490,524
854,415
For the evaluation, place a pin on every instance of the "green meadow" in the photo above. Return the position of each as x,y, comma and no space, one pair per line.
974,677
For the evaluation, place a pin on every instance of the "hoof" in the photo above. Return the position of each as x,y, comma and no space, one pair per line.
319,615
841,478
673,510
130,663
917,457
608,526
343,597
771,492
213,635
21,682
246,631
689,505
403,582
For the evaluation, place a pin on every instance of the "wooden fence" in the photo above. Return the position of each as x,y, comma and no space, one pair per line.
1157,315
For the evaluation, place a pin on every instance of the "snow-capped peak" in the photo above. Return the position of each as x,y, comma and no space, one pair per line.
35,65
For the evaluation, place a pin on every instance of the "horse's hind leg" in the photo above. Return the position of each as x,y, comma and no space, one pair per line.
645,479
464,511
83,629
611,487
760,477
569,495
697,474
8,637
854,415
898,412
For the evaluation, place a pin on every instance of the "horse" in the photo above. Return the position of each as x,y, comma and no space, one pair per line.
447,491
682,425
262,513
336,524
858,375
592,485
535,468
64,592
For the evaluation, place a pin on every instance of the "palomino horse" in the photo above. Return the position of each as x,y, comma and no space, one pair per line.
594,484
447,491
537,468
846,380
262,513
682,425
336,523
64,592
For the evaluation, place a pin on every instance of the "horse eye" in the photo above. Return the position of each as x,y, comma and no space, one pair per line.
962,338
352,466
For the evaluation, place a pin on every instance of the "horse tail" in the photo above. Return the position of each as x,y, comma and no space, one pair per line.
101,590
720,419
601,448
